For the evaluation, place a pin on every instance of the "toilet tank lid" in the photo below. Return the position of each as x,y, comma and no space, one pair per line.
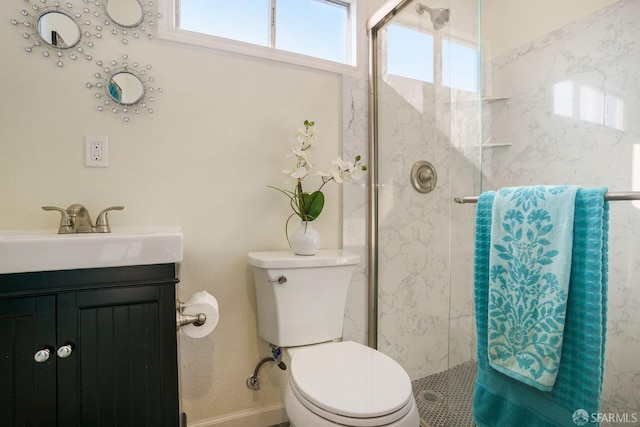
287,259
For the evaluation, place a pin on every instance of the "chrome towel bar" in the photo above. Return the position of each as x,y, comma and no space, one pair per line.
611,196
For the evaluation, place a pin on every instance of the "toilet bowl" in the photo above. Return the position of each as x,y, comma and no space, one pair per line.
347,384
301,304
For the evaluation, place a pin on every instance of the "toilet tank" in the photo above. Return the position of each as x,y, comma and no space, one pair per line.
308,307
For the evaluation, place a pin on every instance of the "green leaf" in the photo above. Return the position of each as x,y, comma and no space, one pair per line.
313,204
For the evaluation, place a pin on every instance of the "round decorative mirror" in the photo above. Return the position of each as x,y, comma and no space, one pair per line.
130,18
125,88
126,13
58,30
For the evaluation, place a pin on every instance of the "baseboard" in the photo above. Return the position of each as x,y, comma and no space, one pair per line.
262,417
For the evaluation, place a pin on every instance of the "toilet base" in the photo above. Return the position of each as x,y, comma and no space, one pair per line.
300,416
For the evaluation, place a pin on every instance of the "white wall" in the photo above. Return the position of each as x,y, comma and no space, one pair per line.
202,160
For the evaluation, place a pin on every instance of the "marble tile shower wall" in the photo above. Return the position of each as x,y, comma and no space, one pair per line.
465,180
561,132
425,244
355,209
425,314
413,251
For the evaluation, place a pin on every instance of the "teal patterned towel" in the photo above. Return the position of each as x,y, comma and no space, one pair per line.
529,268
501,401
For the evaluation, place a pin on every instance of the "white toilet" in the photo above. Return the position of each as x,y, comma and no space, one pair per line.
301,302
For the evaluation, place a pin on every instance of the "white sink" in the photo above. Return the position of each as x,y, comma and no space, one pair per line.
46,250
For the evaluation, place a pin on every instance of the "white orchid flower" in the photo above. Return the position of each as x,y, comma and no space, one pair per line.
306,136
344,169
300,172
356,174
342,165
326,176
297,173
302,156
347,170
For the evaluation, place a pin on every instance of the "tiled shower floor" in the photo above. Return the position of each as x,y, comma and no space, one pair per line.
445,399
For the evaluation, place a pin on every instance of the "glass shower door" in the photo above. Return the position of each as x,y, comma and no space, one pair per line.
427,109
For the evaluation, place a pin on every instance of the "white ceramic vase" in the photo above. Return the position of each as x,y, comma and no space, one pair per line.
305,240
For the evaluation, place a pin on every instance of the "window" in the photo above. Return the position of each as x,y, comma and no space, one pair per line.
402,59
412,53
460,66
243,20
277,29
313,27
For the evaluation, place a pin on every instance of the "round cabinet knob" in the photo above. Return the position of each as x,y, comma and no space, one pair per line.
64,351
42,355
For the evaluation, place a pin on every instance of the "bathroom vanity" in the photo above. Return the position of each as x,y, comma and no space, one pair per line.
91,346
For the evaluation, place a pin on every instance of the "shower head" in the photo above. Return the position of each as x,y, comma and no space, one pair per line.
439,17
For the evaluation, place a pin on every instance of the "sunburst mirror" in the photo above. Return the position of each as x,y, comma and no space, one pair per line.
130,18
58,29
124,87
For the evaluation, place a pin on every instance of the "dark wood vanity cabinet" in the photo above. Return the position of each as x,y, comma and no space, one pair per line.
110,334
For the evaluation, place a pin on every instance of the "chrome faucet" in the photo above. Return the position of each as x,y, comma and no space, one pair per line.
76,219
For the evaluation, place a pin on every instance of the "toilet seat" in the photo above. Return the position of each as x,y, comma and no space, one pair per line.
350,384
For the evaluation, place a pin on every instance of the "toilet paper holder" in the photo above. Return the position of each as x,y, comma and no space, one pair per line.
183,319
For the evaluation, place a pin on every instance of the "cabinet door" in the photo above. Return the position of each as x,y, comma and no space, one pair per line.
27,387
123,367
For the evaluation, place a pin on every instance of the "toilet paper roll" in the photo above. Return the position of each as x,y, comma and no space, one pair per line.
201,302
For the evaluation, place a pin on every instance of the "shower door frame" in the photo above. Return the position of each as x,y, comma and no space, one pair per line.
378,20
387,12
375,25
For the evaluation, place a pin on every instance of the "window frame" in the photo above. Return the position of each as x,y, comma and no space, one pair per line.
355,23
